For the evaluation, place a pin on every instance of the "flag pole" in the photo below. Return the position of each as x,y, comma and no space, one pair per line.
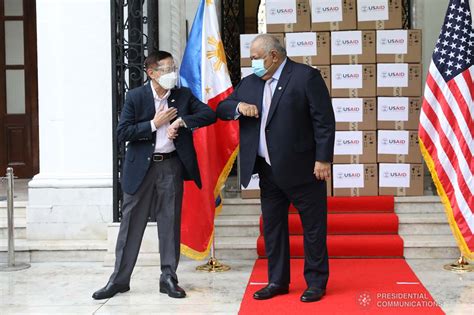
460,266
213,265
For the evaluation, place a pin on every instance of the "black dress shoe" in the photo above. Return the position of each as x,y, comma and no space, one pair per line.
110,290
271,290
312,294
170,286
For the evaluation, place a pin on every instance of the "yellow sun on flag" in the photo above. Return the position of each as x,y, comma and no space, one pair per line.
217,53
208,2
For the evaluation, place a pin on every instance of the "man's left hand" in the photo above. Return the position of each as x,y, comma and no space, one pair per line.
322,170
173,129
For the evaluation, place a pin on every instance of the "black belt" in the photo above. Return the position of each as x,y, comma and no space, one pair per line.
159,157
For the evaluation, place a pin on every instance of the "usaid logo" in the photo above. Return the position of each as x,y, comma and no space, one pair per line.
386,141
347,42
372,8
327,9
396,175
281,11
342,175
347,76
347,109
301,43
392,41
393,75
394,108
340,142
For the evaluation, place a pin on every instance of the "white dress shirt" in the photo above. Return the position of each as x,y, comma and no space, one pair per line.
262,148
162,144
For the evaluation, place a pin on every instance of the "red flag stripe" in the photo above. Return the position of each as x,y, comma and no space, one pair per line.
445,181
453,159
435,79
461,98
446,163
446,125
450,116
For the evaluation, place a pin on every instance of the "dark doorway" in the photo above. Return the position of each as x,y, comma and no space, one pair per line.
18,88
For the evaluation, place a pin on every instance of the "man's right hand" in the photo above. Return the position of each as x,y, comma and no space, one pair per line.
248,110
164,116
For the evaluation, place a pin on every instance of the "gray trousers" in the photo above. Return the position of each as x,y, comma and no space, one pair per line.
162,192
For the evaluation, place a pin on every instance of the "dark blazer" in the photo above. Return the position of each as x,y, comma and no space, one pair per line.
300,125
135,127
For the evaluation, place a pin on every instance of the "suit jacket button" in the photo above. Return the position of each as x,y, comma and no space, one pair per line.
149,159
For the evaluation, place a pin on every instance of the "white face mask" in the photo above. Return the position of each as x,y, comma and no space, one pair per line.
168,81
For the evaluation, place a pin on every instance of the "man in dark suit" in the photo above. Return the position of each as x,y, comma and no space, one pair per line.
157,123
287,130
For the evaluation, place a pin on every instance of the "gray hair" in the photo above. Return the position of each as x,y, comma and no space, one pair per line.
269,42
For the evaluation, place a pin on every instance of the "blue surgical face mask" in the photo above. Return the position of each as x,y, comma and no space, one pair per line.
258,67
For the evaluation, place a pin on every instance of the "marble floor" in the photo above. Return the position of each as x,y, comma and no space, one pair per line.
66,288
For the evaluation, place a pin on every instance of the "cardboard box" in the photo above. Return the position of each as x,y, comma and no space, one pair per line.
355,147
355,180
379,14
355,113
286,19
399,79
245,42
398,113
253,191
399,46
326,74
333,15
353,80
309,48
353,47
401,179
398,146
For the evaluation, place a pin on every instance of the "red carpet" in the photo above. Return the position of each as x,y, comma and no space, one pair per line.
383,282
358,227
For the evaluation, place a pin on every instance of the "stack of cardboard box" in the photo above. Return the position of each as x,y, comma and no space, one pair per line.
372,69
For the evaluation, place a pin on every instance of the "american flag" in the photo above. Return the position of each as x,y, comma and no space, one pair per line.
446,128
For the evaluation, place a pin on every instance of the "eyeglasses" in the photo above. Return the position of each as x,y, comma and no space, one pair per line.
166,69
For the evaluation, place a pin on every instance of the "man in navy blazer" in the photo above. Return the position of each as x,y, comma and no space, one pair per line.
157,124
287,130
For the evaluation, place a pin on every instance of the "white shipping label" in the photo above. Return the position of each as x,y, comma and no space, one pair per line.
346,43
348,109
245,71
348,175
326,11
301,44
392,142
280,11
348,143
394,175
254,182
392,108
245,41
392,42
392,75
372,10
346,76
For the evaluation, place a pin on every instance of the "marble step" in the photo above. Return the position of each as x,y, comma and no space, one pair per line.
236,247
238,206
55,250
423,223
237,225
430,246
20,228
419,204
19,209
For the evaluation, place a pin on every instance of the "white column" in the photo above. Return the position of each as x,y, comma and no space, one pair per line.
71,197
